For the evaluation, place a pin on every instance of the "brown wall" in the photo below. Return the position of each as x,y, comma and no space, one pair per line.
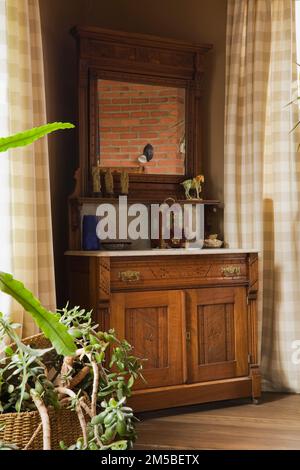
196,20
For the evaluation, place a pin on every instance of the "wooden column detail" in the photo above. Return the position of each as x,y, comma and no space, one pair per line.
252,325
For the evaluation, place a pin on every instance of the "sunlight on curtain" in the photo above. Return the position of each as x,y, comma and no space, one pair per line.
298,29
5,200
262,170
26,248
297,12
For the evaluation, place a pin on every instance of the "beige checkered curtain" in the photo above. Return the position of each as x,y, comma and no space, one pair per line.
262,172
29,194
5,232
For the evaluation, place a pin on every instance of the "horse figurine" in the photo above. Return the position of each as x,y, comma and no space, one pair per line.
197,181
193,184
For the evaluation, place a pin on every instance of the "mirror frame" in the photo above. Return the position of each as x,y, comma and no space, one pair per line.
138,58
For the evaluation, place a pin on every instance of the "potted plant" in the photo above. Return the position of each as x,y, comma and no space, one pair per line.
68,386
84,392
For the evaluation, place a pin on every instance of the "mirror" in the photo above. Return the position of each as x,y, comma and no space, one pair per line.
142,127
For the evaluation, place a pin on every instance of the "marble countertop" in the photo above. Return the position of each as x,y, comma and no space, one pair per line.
164,252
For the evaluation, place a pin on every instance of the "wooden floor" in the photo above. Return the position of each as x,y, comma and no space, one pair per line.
239,424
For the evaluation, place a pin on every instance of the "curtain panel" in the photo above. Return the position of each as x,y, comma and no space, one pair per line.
5,200
28,247
262,171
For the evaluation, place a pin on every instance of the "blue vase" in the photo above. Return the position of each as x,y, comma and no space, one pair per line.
90,241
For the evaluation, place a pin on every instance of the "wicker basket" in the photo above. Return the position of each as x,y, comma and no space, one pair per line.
20,428
37,341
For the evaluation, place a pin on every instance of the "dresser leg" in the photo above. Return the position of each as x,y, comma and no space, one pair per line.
256,401
256,384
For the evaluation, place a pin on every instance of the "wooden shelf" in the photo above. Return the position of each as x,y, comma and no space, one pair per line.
114,200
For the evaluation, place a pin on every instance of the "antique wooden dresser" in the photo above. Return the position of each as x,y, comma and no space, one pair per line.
190,313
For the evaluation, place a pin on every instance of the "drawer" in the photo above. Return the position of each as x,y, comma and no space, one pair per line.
177,271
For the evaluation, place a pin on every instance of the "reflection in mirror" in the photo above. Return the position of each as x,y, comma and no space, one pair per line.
131,116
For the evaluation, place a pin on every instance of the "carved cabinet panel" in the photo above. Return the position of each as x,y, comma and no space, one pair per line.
153,323
217,333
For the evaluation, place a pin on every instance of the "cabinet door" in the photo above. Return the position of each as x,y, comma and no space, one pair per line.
153,322
216,333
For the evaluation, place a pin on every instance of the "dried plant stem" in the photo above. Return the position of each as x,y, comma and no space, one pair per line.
41,407
80,352
33,437
95,368
85,407
97,437
79,377
95,387
71,394
65,368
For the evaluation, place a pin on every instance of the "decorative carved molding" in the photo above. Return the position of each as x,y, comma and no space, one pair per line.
171,272
139,50
94,125
103,316
83,73
136,78
139,55
147,329
253,275
74,224
77,178
104,279
252,307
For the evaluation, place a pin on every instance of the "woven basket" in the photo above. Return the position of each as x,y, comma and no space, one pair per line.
19,428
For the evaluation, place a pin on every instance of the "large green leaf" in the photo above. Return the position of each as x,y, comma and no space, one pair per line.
47,321
28,137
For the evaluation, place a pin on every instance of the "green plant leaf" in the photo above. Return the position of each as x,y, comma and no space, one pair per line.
9,331
28,137
47,321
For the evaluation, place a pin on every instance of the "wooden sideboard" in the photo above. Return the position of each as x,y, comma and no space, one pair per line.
191,314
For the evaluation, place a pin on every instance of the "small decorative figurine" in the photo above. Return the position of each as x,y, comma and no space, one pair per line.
96,179
198,180
193,184
212,241
187,184
109,182
147,155
124,180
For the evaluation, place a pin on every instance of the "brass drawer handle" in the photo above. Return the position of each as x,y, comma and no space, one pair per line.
231,271
129,276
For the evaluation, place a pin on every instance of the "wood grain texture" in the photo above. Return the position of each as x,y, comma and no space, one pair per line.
239,425
104,278
188,394
74,206
152,323
252,306
81,282
174,272
217,320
